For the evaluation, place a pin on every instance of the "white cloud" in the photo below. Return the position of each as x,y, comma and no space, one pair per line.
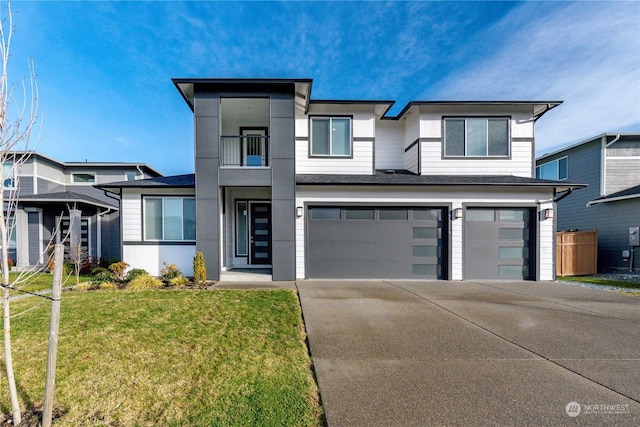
587,54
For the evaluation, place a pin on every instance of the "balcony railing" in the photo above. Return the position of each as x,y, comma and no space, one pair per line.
246,151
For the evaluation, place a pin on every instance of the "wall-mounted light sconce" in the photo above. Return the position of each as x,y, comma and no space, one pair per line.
456,213
548,213
299,211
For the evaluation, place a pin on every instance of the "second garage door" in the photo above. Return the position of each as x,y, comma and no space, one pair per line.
499,243
376,242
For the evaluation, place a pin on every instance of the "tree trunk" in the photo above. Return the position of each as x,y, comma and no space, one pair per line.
8,358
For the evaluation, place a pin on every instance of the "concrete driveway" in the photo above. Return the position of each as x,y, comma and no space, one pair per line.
402,353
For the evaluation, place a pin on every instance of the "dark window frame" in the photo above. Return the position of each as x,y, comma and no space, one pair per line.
330,156
476,157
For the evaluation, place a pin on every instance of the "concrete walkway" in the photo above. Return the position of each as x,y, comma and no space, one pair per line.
407,353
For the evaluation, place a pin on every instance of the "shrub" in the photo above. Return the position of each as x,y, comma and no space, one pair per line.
169,272
133,273
102,277
179,281
118,268
82,287
68,268
107,286
199,268
98,270
143,282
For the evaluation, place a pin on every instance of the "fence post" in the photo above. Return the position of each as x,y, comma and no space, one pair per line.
54,323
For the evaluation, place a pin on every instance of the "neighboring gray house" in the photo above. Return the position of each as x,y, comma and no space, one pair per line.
610,165
339,189
49,189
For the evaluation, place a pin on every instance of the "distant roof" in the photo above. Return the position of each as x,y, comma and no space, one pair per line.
91,164
66,197
629,193
404,177
586,141
175,181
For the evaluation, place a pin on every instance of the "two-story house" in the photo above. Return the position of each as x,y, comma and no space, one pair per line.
610,165
53,194
339,189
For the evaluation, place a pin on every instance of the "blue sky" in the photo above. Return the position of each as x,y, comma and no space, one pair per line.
105,68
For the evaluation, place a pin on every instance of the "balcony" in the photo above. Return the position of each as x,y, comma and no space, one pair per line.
244,150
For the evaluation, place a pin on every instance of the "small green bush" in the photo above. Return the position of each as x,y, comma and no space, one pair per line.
179,281
170,271
102,277
133,273
144,282
98,270
118,268
199,268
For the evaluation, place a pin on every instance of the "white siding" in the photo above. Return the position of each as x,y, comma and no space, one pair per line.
360,164
520,163
151,257
131,215
411,159
389,145
547,242
442,196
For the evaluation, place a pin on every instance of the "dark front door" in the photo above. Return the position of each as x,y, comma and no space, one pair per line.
260,233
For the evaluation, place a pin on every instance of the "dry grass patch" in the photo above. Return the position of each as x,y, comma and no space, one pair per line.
148,358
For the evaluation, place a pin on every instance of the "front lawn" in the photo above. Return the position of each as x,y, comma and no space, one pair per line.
41,281
172,358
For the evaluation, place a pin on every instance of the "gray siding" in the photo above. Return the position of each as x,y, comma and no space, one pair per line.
622,173
46,186
612,220
584,168
89,190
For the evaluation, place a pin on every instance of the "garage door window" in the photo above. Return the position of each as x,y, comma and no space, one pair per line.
514,215
512,234
394,214
357,213
513,252
325,213
425,233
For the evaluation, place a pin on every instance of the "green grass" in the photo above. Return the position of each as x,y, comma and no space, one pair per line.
42,281
172,358
600,281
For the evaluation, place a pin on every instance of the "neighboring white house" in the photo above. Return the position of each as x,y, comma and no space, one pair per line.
339,189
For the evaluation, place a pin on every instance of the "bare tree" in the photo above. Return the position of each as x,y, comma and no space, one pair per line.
18,112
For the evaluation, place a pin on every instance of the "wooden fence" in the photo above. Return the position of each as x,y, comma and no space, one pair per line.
576,253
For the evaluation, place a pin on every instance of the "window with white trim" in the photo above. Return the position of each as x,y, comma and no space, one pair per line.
170,218
476,137
331,136
556,170
8,176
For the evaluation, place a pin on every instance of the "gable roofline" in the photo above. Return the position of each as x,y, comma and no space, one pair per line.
586,141
540,107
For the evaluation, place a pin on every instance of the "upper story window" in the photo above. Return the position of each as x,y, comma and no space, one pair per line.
131,176
8,176
170,218
476,137
83,178
331,136
556,170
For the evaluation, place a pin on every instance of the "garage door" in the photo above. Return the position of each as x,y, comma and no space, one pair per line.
499,243
375,242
